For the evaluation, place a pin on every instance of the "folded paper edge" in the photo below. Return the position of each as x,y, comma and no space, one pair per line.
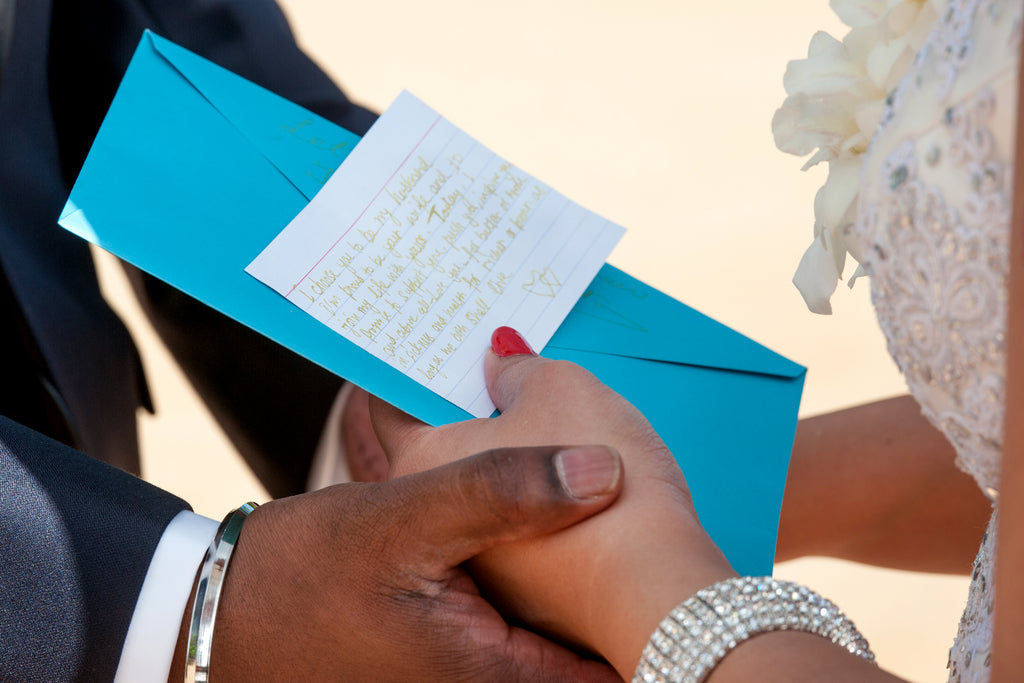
155,42
73,220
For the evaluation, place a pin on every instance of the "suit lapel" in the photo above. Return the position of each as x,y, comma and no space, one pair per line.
87,351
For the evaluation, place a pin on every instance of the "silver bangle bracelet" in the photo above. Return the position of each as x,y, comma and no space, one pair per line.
698,634
208,588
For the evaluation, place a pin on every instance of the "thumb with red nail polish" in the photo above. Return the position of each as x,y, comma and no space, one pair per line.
507,342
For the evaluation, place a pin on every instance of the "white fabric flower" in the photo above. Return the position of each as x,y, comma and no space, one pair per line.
819,112
856,13
835,99
817,276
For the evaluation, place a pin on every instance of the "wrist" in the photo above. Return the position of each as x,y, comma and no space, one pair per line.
647,580
237,647
796,656
692,641
605,584
193,647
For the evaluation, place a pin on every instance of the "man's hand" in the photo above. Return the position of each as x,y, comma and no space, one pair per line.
363,581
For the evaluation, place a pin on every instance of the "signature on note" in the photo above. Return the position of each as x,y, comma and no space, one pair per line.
543,283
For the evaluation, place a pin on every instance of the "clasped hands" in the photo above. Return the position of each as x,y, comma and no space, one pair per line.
424,577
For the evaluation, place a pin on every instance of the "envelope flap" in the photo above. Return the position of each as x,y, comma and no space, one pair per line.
621,315
304,147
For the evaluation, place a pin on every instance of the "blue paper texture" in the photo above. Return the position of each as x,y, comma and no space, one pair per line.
195,170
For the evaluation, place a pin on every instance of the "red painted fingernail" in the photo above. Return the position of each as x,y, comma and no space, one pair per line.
507,342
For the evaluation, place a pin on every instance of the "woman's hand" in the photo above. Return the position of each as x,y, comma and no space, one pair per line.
606,583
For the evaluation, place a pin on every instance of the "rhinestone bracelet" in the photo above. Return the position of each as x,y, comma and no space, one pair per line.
697,634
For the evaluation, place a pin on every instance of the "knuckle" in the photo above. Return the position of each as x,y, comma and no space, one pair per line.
664,467
556,375
568,372
495,484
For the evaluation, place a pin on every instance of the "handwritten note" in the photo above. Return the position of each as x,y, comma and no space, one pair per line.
424,241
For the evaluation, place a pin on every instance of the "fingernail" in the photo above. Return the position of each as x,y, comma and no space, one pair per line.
507,342
588,471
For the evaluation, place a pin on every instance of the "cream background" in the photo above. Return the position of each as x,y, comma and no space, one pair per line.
656,115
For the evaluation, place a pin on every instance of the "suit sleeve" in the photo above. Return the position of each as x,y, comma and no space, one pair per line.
271,403
77,537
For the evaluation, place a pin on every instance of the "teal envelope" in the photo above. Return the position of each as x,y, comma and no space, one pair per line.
195,170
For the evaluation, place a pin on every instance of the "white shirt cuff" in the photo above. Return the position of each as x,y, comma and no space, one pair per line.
153,632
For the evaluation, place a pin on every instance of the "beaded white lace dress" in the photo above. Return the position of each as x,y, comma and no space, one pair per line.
935,201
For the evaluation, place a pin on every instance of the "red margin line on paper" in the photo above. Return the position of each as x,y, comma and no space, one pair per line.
363,212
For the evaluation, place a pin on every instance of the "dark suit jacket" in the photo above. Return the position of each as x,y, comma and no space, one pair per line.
76,536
